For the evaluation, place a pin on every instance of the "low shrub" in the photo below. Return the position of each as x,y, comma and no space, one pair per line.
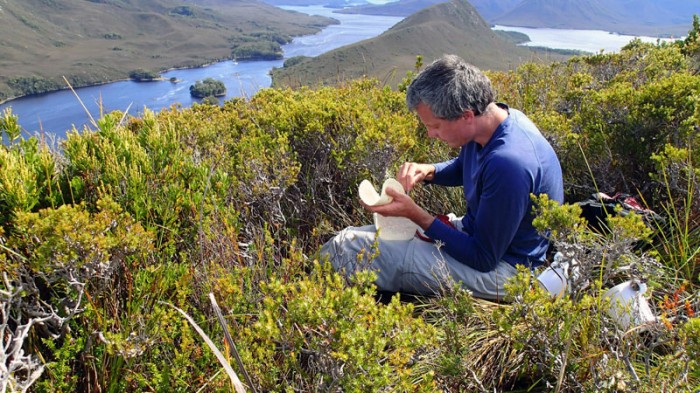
99,237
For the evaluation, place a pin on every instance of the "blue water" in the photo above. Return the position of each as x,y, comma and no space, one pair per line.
593,41
57,112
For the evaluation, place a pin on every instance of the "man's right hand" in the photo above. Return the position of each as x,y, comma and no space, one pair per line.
411,173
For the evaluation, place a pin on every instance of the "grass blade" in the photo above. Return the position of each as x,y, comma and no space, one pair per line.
232,374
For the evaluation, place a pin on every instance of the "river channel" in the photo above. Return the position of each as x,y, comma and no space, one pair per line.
57,112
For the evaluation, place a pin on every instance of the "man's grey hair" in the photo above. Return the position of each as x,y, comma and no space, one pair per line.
449,86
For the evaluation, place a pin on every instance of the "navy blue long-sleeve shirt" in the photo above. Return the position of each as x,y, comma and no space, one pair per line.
498,179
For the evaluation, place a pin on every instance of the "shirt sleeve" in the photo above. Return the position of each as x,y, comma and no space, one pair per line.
503,205
448,173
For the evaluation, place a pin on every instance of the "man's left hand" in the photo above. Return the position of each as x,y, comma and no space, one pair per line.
402,206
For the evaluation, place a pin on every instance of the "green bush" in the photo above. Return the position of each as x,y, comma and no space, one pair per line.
142,75
30,178
338,334
579,106
295,60
255,50
101,234
273,37
27,85
210,100
208,87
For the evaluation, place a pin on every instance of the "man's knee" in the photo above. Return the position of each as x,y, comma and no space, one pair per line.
342,250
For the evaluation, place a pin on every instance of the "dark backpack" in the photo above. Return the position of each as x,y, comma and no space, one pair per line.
600,206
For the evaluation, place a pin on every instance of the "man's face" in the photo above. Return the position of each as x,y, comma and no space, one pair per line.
453,132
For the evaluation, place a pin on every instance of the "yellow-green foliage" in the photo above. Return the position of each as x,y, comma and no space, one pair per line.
573,345
318,325
338,135
609,111
608,258
29,179
554,334
677,172
69,237
236,200
559,221
690,333
18,182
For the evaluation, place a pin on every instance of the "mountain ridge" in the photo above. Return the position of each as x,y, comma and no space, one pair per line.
406,8
450,27
662,18
588,13
639,17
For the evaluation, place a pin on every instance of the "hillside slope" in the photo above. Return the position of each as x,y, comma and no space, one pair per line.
102,40
398,8
490,9
636,17
452,27
571,14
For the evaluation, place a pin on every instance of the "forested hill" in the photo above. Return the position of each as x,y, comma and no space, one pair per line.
451,27
100,40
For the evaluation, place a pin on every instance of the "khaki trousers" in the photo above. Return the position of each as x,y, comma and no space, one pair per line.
411,266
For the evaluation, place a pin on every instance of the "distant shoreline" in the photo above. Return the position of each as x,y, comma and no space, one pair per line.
100,83
662,36
589,41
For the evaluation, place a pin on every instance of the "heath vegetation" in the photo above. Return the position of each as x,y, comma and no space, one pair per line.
102,234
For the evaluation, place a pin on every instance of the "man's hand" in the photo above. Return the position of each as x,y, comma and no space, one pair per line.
402,206
411,173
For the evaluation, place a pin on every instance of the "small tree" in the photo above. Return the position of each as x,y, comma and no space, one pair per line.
208,87
141,75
